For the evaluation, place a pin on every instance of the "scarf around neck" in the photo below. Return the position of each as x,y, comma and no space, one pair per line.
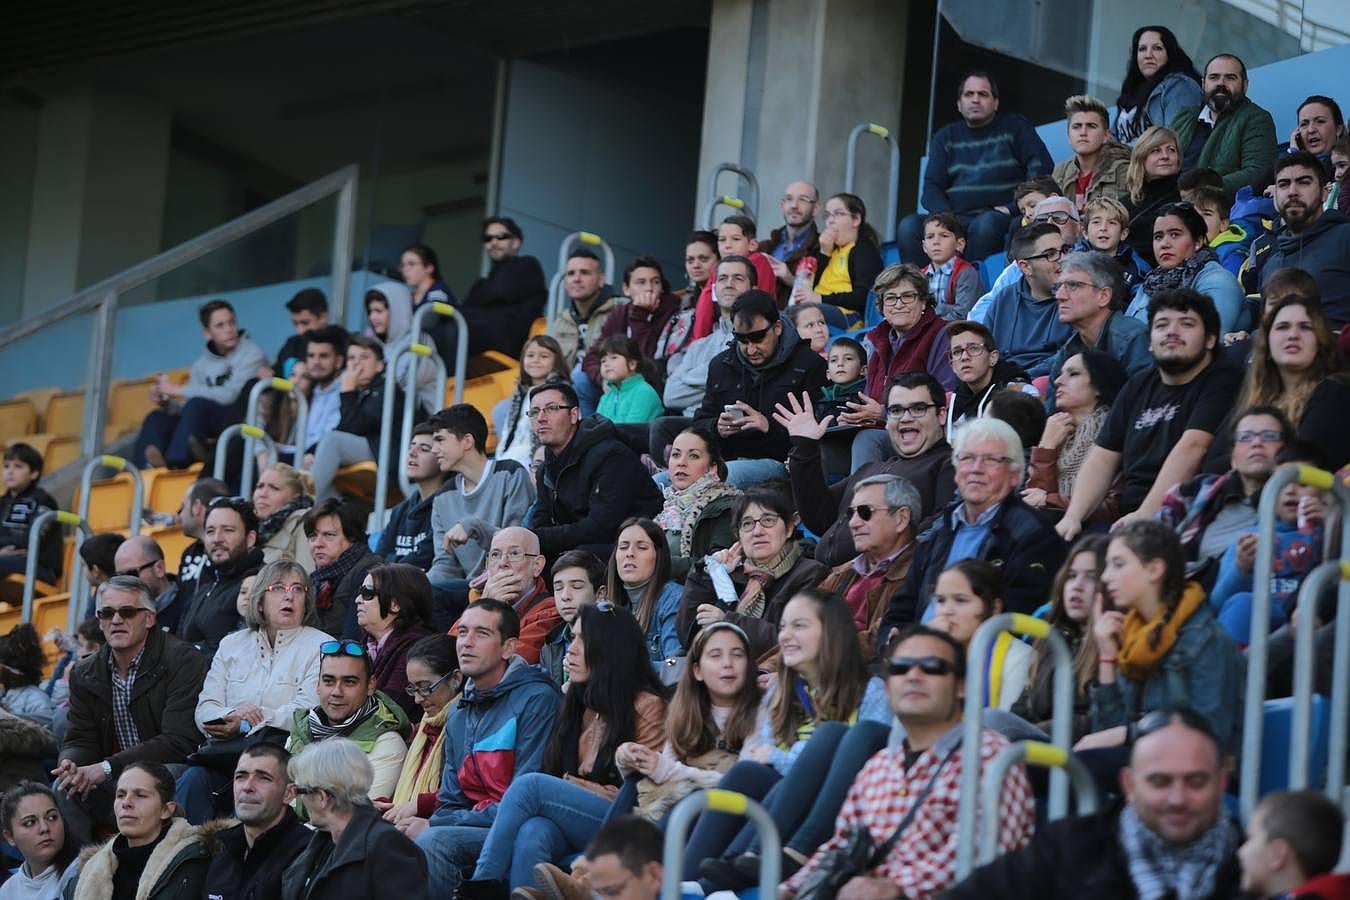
321,729
1137,658
761,578
682,508
424,777
269,526
1179,276
1076,448
1160,869
327,578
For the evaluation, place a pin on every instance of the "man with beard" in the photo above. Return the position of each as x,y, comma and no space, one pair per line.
797,238
1313,239
1164,419
1229,133
230,534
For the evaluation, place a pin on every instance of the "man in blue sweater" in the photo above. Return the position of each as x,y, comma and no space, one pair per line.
973,166
1023,316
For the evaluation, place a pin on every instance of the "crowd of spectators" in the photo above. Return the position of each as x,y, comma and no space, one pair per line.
741,532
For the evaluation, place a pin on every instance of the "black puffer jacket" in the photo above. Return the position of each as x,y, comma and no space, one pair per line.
240,872
588,489
211,613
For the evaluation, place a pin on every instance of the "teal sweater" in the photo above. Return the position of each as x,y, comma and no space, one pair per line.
631,400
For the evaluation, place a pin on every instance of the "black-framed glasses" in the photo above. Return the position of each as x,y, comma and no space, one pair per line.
496,236
1054,254
342,648
751,337
552,409
911,411
127,613
135,571
900,300
1264,436
971,350
928,665
426,690
864,511
304,791
768,520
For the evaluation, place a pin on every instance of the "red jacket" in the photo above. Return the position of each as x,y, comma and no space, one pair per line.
1323,887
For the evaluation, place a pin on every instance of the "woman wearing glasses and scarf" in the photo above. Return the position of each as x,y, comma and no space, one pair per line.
260,677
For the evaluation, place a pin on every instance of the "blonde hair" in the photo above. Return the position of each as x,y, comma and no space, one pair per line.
1085,103
1149,141
299,482
1108,206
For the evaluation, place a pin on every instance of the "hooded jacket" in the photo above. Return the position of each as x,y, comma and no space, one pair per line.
406,537
1323,249
793,368
642,325
398,300
492,737
372,858
595,483
176,869
502,305
220,377
240,872
211,614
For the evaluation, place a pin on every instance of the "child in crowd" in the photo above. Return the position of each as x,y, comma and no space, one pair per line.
541,360
1293,844
628,397
809,320
1026,195
846,369
21,504
1228,239
1339,198
735,237
953,281
21,663
1106,227
578,580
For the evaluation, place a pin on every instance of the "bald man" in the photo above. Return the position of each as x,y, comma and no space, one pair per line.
798,236
515,569
142,558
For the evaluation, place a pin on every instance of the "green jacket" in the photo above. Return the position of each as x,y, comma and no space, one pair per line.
176,869
388,717
632,400
1240,148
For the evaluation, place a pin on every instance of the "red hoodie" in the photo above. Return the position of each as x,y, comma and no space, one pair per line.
1330,886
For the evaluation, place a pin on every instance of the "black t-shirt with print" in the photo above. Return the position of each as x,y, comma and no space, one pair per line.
1149,417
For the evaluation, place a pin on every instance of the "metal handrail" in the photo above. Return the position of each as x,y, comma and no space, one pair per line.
729,803
402,347
246,431
30,566
286,386
1061,722
1253,713
555,287
77,577
410,395
1300,741
893,187
710,212
102,298
1032,753
751,182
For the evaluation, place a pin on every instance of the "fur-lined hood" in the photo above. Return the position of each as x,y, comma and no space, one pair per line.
21,737
98,864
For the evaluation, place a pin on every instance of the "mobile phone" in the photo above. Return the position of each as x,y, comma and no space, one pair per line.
217,721
734,411
1108,605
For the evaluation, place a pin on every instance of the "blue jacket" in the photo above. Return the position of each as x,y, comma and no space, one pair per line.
1323,249
1219,285
974,169
1122,337
491,737
1026,331
663,639
1167,98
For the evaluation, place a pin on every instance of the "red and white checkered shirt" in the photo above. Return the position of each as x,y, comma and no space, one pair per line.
923,862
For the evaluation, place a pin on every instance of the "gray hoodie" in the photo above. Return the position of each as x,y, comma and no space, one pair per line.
220,378
398,299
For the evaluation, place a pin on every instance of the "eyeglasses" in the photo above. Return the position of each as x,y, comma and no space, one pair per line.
928,665
612,890
503,236
768,520
1054,254
514,556
1251,437
304,791
552,409
912,411
426,690
751,337
294,590
864,511
368,592
1058,218
127,613
983,460
1071,284
900,300
135,571
839,214
342,648
788,198
971,350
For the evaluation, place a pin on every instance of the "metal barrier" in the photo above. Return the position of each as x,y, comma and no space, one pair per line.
1032,753
30,566
1061,725
137,494
717,198
245,431
733,804
1300,742
893,187
555,287
286,386
410,344
1253,721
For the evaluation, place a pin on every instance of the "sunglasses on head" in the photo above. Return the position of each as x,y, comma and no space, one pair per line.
342,648
928,665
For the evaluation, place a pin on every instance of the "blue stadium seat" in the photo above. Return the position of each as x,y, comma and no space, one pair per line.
1276,735
991,267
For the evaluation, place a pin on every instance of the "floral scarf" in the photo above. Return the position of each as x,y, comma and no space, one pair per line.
1076,448
682,508
269,526
1161,279
761,578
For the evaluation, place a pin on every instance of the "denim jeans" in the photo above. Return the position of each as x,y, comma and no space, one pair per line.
540,819
985,234
196,794
169,432
714,832
588,392
871,445
450,851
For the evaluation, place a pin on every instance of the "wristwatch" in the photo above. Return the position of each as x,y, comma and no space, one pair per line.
107,769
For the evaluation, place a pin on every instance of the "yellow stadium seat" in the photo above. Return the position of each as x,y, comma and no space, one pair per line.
165,488
65,413
50,612
539,326
10,615
491,378
62,450
359,481
38,397
109,503
17,418
172,542
129,403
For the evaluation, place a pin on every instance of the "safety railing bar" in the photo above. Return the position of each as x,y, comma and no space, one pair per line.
240,430
729,803
31,563
893,186
1031,753
746,175
1300,742
411,398
255,393
555,285
119,464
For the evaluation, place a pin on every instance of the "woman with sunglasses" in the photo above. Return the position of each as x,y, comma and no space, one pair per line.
613,697
156,855
1185,260
393,608
822,717
1072,597
1159,646
433,682
764,570
32,823
259,678
638,577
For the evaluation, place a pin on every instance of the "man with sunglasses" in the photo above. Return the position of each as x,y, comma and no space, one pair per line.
132,701
140,557
913,787
767,362
1170,838
1023,316
501,305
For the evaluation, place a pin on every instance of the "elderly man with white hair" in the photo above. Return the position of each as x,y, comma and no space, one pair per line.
988,521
